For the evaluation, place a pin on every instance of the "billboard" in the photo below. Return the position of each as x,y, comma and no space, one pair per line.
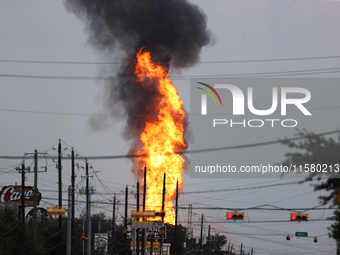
12,194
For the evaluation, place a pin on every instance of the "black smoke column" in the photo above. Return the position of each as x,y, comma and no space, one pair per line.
169,29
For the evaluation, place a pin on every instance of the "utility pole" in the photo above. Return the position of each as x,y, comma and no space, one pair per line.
23,193
231,250
144,230
60,199
163,204
125,218
22,211
137,230
73,178
190,226
35,193
176,212
209,240
241,249
88,211
113,224
69,216
201,239
228,248
252,250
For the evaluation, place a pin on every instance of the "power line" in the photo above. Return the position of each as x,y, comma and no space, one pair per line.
183,152
134,115
240,75
200,62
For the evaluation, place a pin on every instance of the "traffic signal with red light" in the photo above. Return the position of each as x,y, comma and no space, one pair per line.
235,216
146,214
288,238
299,217
56,211
84,238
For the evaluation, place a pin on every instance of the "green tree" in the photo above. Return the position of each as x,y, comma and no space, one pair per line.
318,150
16,238
216,243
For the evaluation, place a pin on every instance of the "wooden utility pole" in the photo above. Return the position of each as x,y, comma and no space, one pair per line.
176,212
125,218
144,230
113,224
88,210
60,199
163,203
23,193
201,239
73,178
137,230
209,248
35,193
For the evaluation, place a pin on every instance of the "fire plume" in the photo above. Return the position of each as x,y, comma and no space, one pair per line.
162,135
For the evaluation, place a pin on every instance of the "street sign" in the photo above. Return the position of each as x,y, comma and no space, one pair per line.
153,231
147,224
301,234
155,245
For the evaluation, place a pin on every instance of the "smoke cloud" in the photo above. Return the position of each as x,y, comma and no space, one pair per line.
174,31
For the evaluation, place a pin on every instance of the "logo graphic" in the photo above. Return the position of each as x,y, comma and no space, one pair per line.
239,99
204,97
12,194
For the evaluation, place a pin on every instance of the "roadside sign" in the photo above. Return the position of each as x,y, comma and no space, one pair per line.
301,234
155,245
152,231
101,241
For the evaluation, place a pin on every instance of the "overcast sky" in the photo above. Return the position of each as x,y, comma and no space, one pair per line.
39,108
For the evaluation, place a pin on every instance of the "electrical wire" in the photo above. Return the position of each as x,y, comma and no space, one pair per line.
200,62
239,75
190,151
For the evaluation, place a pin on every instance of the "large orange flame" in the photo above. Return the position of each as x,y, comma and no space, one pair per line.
161,136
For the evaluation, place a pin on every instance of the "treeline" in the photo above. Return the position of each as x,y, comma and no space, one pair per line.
17,238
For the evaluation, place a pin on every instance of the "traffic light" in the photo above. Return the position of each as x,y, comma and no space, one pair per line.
288,238
299,217
315,240
146,214
56,211
235,216
84,238
159,214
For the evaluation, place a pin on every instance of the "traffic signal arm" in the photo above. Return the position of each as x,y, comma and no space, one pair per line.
56,211
146,214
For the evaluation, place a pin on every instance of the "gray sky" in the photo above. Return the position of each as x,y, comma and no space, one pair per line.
36,112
